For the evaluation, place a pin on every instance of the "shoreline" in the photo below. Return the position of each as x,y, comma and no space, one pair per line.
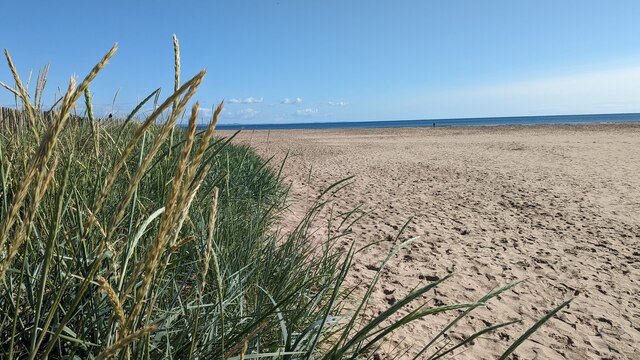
225,128
597,119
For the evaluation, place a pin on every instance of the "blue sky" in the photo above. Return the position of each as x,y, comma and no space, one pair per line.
299,61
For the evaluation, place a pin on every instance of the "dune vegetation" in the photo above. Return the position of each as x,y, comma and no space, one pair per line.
139,239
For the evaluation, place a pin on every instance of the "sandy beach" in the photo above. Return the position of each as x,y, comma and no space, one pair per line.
558,206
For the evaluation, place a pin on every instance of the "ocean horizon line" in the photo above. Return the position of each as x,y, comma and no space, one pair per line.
446,122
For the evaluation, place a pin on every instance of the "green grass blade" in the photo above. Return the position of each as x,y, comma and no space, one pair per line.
533,329
338,283
490,295
281,321
473,337
133,113
363,333
53,235
379,335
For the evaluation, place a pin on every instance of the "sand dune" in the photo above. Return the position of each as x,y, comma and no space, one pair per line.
556,205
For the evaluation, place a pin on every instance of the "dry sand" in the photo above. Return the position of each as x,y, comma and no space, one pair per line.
557,205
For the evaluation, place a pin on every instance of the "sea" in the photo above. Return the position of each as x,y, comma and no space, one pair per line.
484,121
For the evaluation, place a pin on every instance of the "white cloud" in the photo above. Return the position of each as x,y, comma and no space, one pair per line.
202,111
338,103
249,100
291,101
306,112
243,114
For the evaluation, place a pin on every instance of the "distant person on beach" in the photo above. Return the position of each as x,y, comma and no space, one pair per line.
434,124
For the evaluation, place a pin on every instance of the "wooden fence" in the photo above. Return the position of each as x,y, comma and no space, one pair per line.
12,120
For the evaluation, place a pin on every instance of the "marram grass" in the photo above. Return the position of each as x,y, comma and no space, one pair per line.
138,240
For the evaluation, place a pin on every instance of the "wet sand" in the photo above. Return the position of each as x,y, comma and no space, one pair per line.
556,205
